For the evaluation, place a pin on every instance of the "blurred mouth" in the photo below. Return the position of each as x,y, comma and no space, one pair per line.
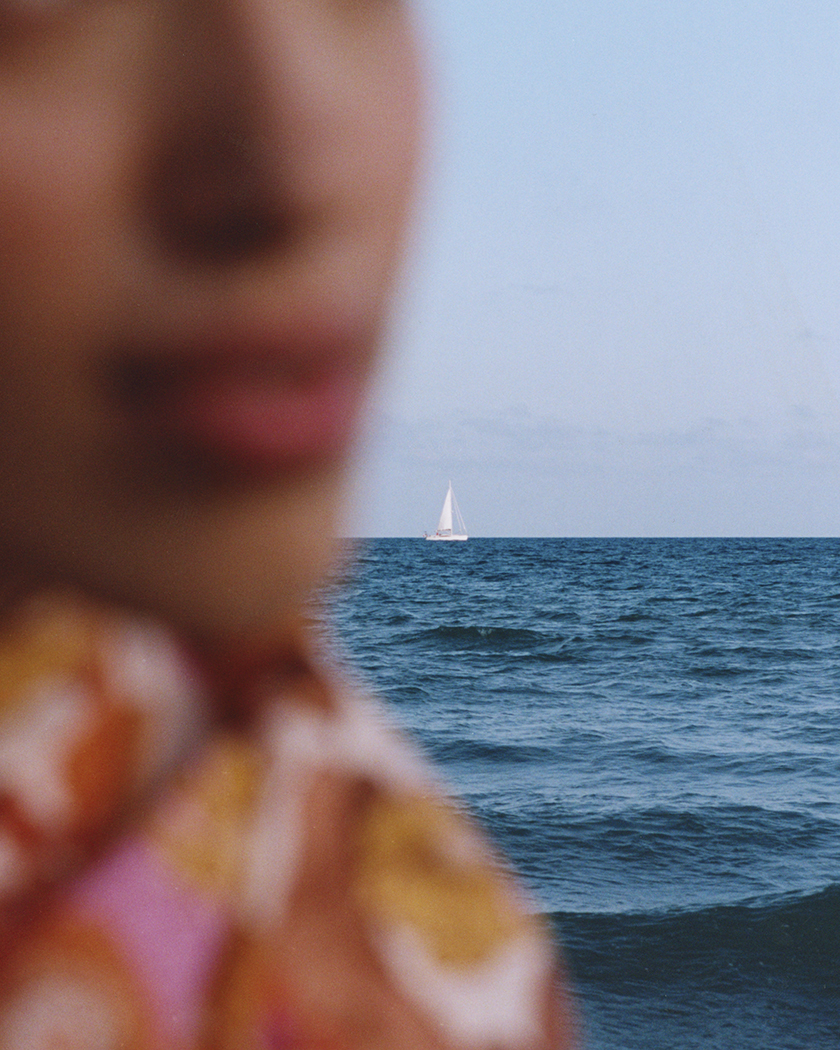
253,404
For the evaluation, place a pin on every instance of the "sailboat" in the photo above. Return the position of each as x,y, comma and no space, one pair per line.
450,515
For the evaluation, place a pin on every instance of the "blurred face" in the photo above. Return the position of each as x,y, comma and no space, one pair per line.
202,206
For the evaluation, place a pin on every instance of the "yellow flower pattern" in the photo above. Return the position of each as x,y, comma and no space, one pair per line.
420,866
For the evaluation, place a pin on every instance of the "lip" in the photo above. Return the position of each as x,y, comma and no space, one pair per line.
251,399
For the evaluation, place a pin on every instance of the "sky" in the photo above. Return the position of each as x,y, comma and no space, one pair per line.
621,314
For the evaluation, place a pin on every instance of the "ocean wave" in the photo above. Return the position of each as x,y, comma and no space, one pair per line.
490,635
635,861
795,936
527,645
759,653
491,751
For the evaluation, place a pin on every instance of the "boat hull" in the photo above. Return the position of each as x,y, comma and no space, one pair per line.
447,539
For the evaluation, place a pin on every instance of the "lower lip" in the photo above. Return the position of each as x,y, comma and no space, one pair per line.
259,422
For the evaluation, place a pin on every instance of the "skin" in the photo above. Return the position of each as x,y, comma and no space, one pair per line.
169,168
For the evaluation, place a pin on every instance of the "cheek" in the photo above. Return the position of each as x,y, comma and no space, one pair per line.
47,289
69,112
55,179
60,164
60,264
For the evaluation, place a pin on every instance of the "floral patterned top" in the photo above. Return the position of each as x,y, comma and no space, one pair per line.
257,862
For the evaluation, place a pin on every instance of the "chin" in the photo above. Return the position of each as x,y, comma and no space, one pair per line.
234,569
245,575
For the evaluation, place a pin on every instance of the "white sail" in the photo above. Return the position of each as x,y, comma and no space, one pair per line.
445,522
451,524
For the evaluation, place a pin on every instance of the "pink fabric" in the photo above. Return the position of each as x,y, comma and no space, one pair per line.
171,933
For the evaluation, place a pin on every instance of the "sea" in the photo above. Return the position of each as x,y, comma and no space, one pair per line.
650,729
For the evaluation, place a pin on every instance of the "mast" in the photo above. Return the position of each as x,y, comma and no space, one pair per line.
460,525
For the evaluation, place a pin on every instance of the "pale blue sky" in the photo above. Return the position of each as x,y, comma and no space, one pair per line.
622,316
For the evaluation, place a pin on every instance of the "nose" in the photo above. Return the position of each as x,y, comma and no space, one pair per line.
262,108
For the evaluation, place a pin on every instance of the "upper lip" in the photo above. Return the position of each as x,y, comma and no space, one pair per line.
293,351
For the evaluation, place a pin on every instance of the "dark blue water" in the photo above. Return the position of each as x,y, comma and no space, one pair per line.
651,730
